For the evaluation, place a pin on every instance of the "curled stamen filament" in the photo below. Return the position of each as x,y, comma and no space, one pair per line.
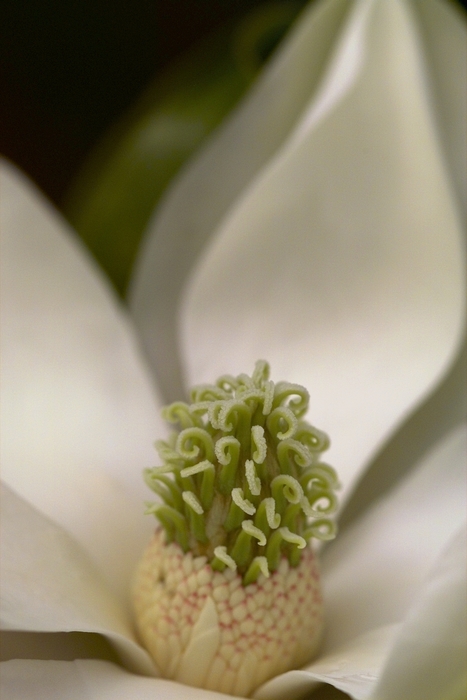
243,503
286,486
254,483
195,437
266,516
259,441
220,553
282,423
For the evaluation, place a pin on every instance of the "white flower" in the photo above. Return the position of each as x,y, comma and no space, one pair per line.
320,228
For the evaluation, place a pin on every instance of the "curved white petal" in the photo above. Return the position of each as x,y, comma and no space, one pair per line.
429,658
210,184
78,415
352,668
372,573
50,585
88,680
374,580
342,262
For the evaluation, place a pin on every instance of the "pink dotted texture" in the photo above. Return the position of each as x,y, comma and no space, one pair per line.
205,629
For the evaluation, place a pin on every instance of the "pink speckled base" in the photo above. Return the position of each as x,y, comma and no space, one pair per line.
204,628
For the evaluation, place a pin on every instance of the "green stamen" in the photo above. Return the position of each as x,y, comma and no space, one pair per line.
242,550
227,451
195,514
258,566
179,412
254,484
245,468
243,503
259,442
282,423
165,487
173,522
194,442
284,390
222,560
292,455
205,468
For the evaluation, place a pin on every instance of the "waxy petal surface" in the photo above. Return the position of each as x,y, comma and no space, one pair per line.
50,585
342,262
371,574
370,319
210,184
352,668
78,414
184,222
378,571
88,680
428,660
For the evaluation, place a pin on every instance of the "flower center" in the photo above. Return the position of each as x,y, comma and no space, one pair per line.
241,481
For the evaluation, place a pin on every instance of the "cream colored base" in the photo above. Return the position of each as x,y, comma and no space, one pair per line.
204,628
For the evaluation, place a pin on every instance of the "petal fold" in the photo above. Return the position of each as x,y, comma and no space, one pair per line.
428,660
374,572
210,184
341,263
88,680
50,585
382,597
78,413
352,668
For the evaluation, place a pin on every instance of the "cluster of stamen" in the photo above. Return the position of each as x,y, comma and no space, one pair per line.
242,483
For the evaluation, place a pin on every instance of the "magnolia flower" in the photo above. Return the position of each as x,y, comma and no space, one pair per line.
320,228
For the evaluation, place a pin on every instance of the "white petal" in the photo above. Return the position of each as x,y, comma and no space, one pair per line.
210,184
352,668
428,661
49,584
78,413
88,680
373,573
342,263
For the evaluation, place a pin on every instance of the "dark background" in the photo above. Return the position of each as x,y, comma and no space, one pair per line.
69,68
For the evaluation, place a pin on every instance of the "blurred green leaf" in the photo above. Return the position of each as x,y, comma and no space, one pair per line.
123,179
